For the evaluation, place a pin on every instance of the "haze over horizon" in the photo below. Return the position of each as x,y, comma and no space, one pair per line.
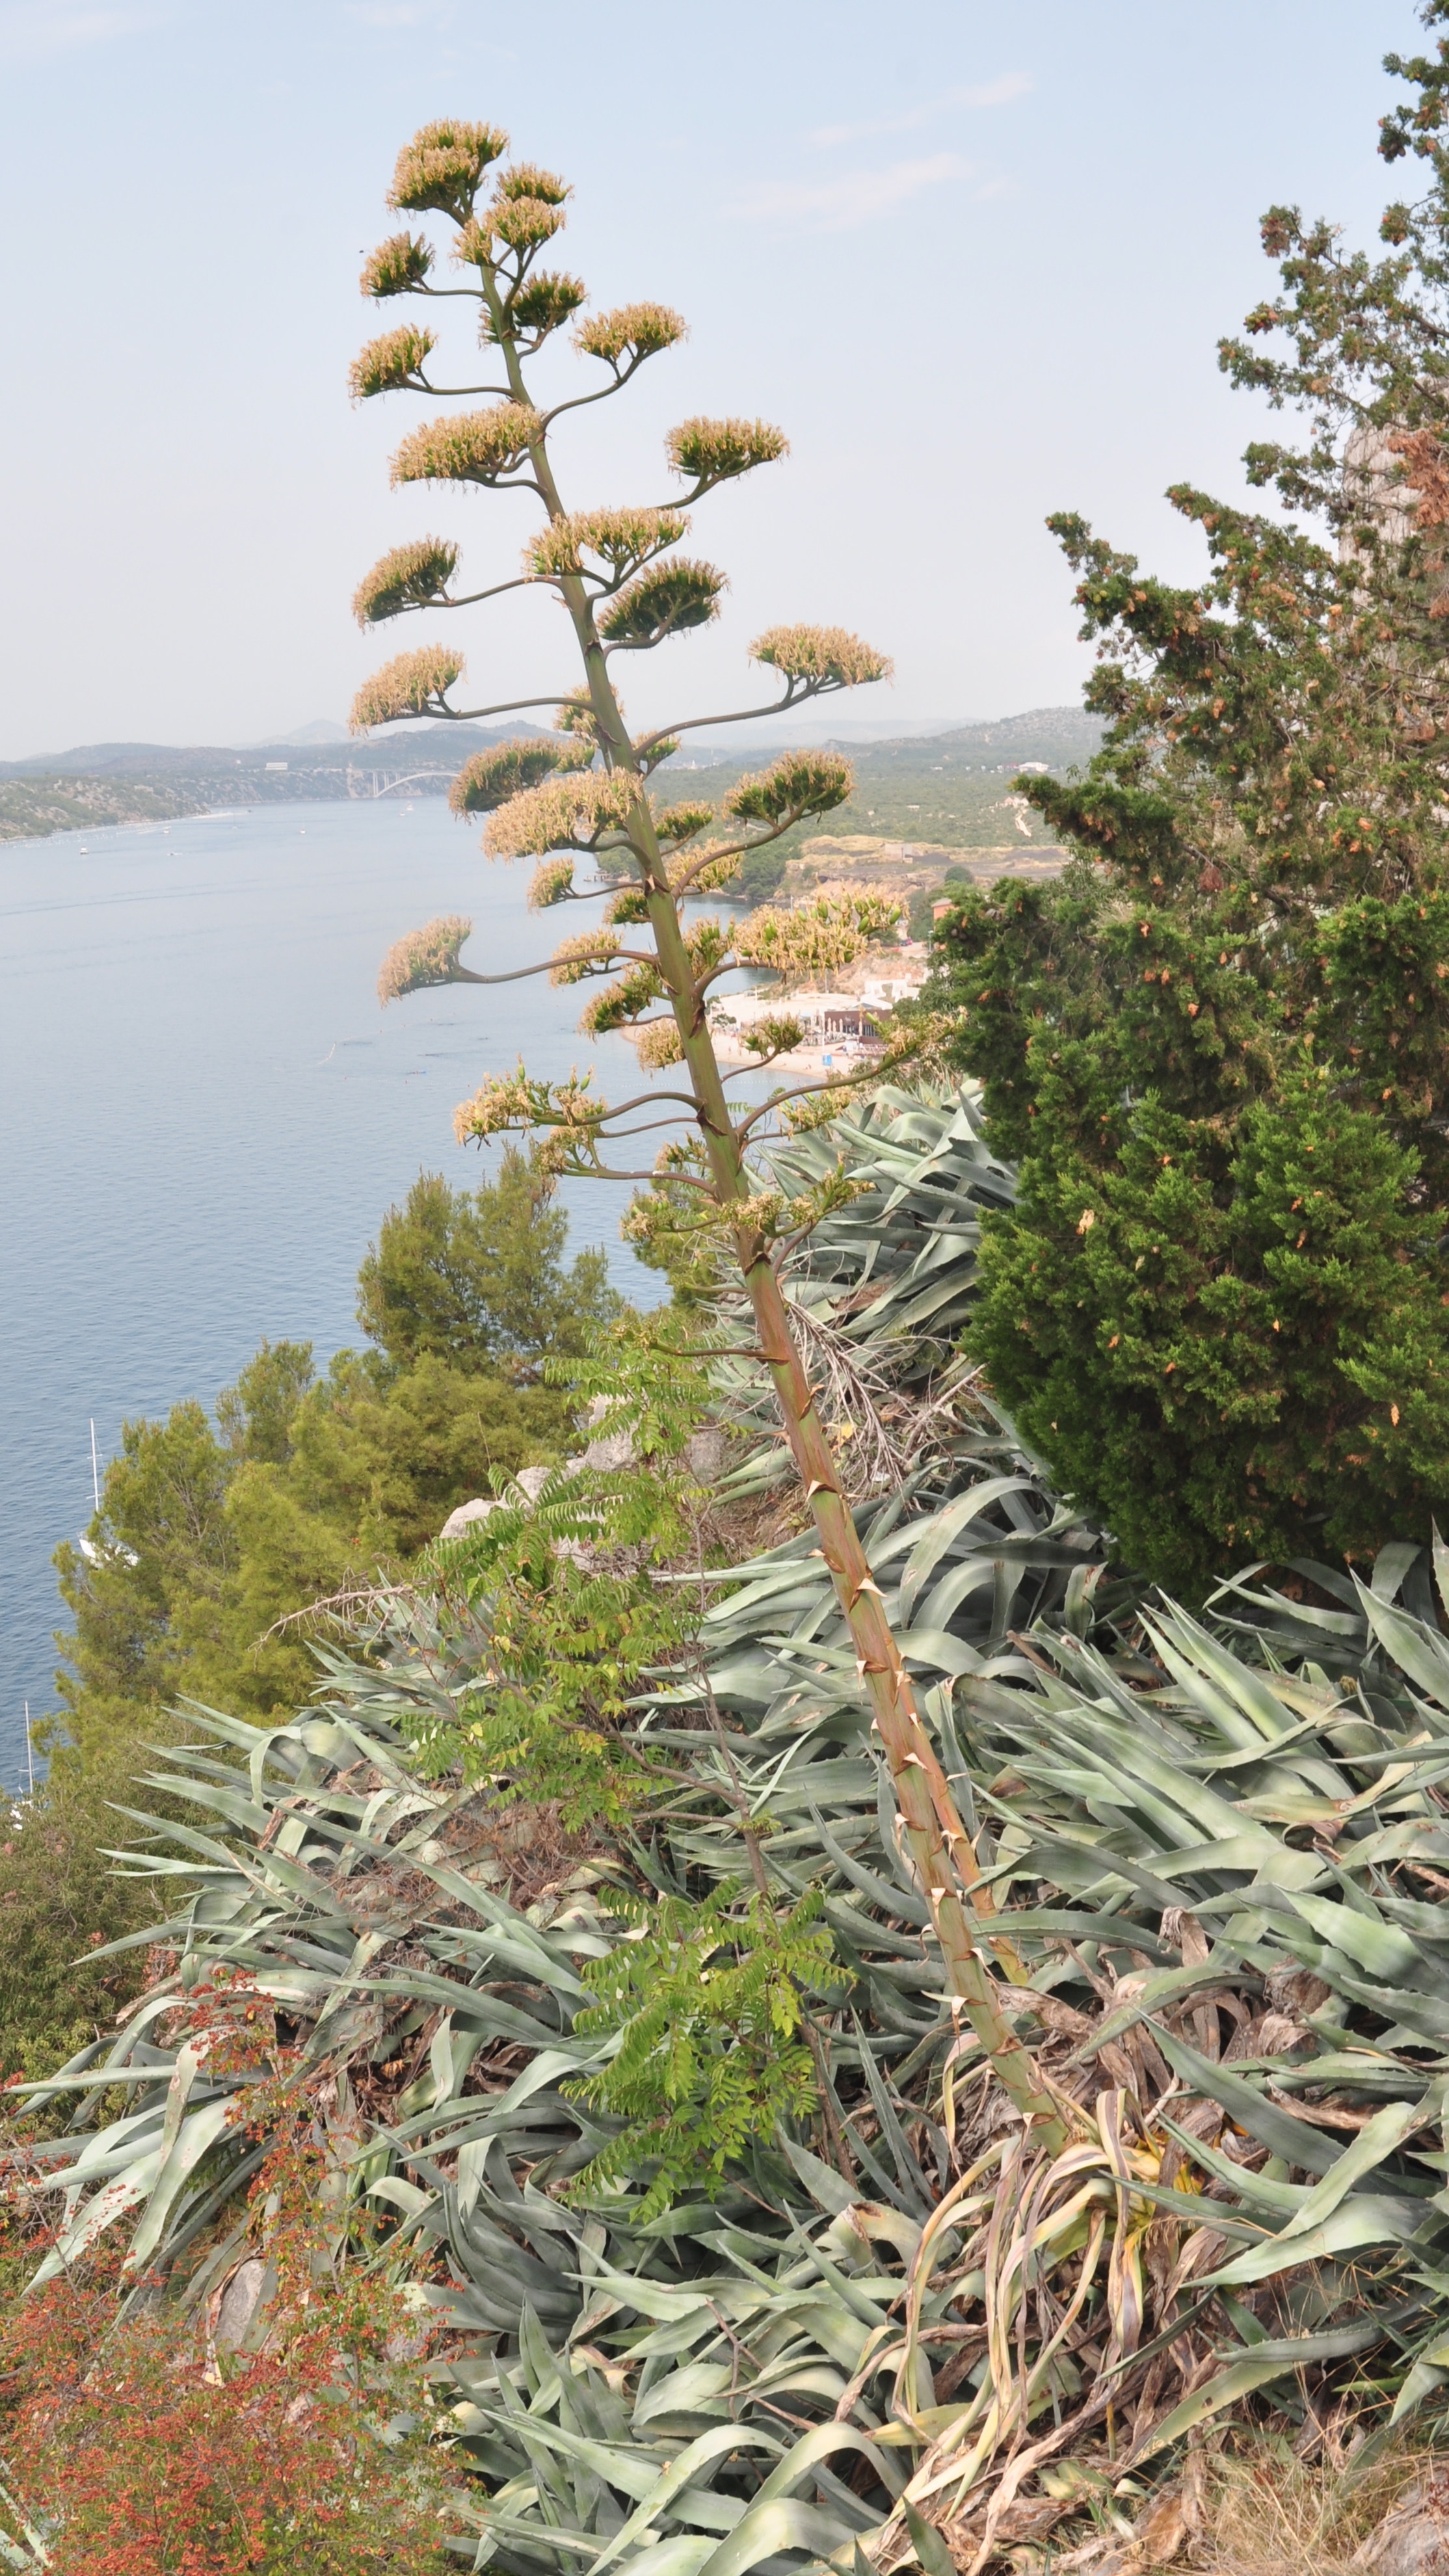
834,716
975,274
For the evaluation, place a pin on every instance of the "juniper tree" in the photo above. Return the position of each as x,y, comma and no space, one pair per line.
1221,1311
583,796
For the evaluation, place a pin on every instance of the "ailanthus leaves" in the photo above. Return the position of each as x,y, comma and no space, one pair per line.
707,2003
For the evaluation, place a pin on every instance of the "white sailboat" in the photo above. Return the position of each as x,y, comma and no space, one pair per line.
88,1548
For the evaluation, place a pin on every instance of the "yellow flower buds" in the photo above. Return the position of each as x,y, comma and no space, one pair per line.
513,1101
507,769
526,222
413,685
798,783
573,957
411,576
569,813
814,938
623,539
425,957
525,180
552,882
540,305
469,447
712,451
668,600
631,331
828,656
397,267
388,364
658,1044
681,822
440,171
626,999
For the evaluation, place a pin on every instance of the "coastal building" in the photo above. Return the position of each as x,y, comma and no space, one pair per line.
837,1018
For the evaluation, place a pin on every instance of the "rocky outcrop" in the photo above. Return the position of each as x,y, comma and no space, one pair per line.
606,1453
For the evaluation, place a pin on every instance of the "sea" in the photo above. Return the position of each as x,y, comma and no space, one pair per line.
206,1115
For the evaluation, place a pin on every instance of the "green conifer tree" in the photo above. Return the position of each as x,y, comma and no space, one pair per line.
1218,1047
209,1536
476,1277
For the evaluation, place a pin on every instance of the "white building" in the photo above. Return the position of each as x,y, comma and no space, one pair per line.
821,1015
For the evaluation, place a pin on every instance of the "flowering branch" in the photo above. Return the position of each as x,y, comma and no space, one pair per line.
624,588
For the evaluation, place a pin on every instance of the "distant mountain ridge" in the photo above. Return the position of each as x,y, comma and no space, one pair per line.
1069,734
322,729
332,756
1061,736
950,789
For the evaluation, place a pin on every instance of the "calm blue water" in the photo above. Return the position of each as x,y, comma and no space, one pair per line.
206,1114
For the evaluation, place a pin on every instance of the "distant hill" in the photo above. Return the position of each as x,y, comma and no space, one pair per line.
426,746
322,729
37,804
138,782
950,789
1063,737
1057,735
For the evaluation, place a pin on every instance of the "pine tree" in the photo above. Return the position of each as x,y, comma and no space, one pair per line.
1217,1048
477,1277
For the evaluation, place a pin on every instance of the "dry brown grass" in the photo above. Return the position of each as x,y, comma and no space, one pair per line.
1255,2503
1270,2512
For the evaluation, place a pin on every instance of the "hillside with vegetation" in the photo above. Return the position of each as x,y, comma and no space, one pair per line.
139,782
952,789
35,806
616,2218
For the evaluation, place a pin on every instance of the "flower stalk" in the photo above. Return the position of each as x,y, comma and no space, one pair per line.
589,561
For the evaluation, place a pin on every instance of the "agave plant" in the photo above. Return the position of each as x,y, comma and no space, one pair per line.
1210,1850
1213,1868
360,1903
881,1284
1245,2012
1199,1868
965,1536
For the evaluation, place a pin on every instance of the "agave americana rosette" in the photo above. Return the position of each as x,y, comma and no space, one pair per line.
1214,1848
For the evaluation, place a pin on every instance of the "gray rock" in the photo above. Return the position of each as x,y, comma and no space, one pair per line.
458,1521
1414,2539
612,1450
607,1453
707,1454
246,2291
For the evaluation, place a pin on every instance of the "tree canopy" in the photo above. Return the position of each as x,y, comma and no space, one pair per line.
1217,1046
210,1532
476,1277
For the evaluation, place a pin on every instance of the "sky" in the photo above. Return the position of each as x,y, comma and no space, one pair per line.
974,260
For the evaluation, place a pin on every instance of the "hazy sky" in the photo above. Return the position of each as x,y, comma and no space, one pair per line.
974,259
